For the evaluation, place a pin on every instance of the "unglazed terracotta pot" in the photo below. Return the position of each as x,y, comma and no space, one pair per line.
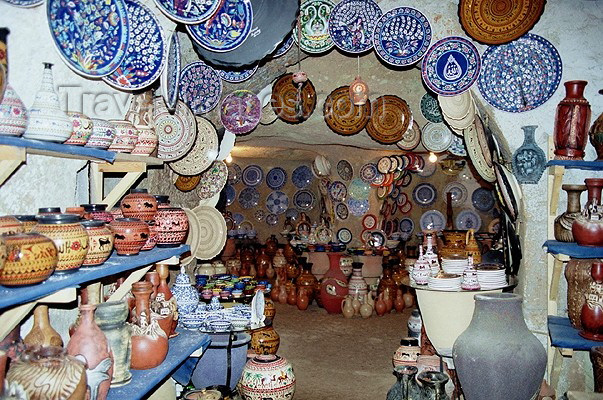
10,225
563,223
164,273
163,201
334,286
139,204
577,274
29,258
81,128
42,333
588,232
111,319
68,235
13,114
130,235
265,340
103,133
100,242
147,141
591,316
172,227
572,121
28,221
126,136
152,240
97,212
267,376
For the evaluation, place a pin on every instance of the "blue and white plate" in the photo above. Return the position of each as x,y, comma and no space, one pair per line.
272,219
249,198
483,199
91,37
238,75
407,226
200,87
352,23
468,219
430,108
238,218
402,36
231,194
170,79
227,29
342,212
277,202
252,175
345,170
24,3
276,178
338,191
451,66
284,47
424,194
146,55
344,235
358,207
368,172
432,220
188,12
304,200
458,146
292,213
302,176
521,75
234,173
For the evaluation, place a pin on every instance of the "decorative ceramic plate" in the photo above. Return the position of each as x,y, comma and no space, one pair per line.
24,3
272,219
231,194
459,193
200,87
499,21
186,183
390,118
92,38
510,190
203,152
342,116
259,215
276,178
176,132
521,75
238,219
245,225
358,207
285,102
424,194
249,197
284,47
457,147
494,226
401,199
190,12
359,189
384,164
240,112
338,191
252,175
407,226
436,137
292,213
345,170
411,138
192,238
227,29
369,221
314,23
277,202
302,177
368,172
428,169
402,36
476,153
430,108
234,173
237,76
344,235
170,79
406,208
482,199
352,23
304,200
146,54
213,180
451,66
406,180
342,212
432,220
468,219
458,107
212,232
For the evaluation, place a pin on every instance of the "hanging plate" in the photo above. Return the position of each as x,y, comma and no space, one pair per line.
200,87
192,238
407,226
186,183
237,76
342,212
234,173
231,194
240,112
457,147
252,175
345,170
24,3
292,213
428,169
510,190
272,219
402,36
411,138
170,79
459,193
203,152
390,118
424,194
91,37
284,47
284,100
176,132
358,207
304,200
189,12
302,177
344,235
468,219
212,232
338,191
352,23
342,116
430,108
369,221
359,189
368,172
483,199
313,19
249,198
432,220
213,180
277,202
259,215
276,178
476,153
436,137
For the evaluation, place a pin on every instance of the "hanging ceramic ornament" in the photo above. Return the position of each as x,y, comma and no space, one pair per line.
529,160
359,90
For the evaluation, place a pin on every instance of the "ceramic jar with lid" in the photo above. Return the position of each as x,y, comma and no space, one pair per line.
97,212
10,225
172,227
267,376
147,141
13,114
103,133
139,204
186,295
100,239
163,201
130,235
82,128
30,258
28,221
68,235
408,352
126,136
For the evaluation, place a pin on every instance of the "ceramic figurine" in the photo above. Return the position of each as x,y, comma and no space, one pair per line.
29,258
267,376
572,121
591,316
13,114
564,222
126,136
42,333
529,161
139,204
81,128
111,319
100,240
172,227
130,234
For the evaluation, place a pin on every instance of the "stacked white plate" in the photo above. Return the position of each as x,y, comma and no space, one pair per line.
491,276
446,282
454,266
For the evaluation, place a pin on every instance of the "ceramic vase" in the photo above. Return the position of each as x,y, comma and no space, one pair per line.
529,161
587,228
130,235
139,204
69,236
433,384
152,239
595,134
271,245
408,352
577,275
81,128
334,286
357,285
147,141
387,285
265,340
572,121
406,387
591,316
267,376
126,136
172,227
103,133
42,333
49,373
29,258
111,319
513,365
100,242
262,261
564,222
164,272
13,114
186,295
163,201
596,358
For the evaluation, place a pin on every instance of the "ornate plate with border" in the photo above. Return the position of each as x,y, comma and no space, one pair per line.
476,153
240,112
249,198
468,219
411,138
483,199
91,37
451,66
286,104
276,178
344,235
302,177
304,200
203,152
358,207
390,118
521,75
234,173
459,193
213,180
259,215
432,220
342,212
277,202
186,183
406,227
272,219
170,78
252,175
425,194
231,194
200,87
369,221
314,21
436,137
227,29
284,47
402,36
352,23
146,54
338,191
430,108
292,213
359,189
368,172
237,76
190,12
176,132
345,170
342,116
212,232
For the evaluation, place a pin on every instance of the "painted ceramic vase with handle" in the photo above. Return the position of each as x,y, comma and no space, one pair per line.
334,286
267,376
100,242
564,222
13,114
591,316
126,136
139,204
130,235
147,141
172,227
572,121
577,275
29,258
111,319
81,128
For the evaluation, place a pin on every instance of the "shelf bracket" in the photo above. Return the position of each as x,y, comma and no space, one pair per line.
557,171
133,170
560,259
10,159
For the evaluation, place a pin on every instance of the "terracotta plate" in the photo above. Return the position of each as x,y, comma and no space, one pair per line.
342,116
284,99
187,183
390,119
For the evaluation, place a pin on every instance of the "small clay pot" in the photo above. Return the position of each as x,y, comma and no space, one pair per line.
32,259
97,212
100,239
172,227
82,129
10,225
130,235
28,221
139,204
152,240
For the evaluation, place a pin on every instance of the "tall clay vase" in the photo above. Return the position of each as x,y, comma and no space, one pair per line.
563,223
596,358
42,333
577,274
591,316
111,319
334,286
90,345
497,357
572,121
164,272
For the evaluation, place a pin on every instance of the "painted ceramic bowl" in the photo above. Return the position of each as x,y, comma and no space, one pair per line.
82,129
130,235
103,133
28,258
126,136
147,141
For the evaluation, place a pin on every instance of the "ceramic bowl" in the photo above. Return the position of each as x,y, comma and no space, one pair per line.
220,325
239,322
193,320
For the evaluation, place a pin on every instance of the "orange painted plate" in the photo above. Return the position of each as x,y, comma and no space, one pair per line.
284,100
390,119
342,116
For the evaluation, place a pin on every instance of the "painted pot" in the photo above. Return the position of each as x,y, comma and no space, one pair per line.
130,235
187,297
147,141
163,201
30,258
572,121
152,240
28,221
267,376
564,222
13,114
577,274
10,225
82,128
172,227
265,340
408,353
103,133
334,286
595,134
97,212
100,242
126,136
588,232
111,319
139,204
591,316
68,235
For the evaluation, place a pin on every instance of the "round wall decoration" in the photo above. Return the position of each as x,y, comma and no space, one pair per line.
430,108
285,99
342,116
304,200
253,175
213,180
212,232
237,76
314,23
411,138
203,152
240,112
390,118
277,202
276,178
194,13
302,177
200,87
352,23
249,198
176,132
424,194
345,170
436,137
187,183
234,173
170,79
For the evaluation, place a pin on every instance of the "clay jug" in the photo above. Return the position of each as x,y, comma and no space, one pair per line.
306,281
292,296
577,274
399,301
380,306
262,261
270,272
303,300
356,304
563,223
274,293
389,302
111,319
164,272
271,245
387,284
89,344
572,121
409,299
42,333
334,286
366,309
269,310
289,253
592,310
472,248
347,309
293,270
279,259
282,294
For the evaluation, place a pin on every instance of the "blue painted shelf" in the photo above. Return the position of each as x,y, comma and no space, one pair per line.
573,249
576,164
565,336
10,296
144,381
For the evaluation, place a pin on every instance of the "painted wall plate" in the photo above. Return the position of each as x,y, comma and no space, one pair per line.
344,235
195,11
249,198
342,212
240,112
304,200
459,193
424,194
170,79
277,202
433,220
314,21
276,178
430,108
351,25
483,199
252,175
200,87
468,219
302,177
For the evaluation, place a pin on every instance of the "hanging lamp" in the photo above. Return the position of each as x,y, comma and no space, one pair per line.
359,90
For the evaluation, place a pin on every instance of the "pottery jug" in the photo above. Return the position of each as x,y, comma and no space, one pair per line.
103,133
356,304
81,126
591,316
399,301
578,277
387,285
265,340
289,253
269,310
433,385
572,121
513,366
111,319
380,306
42,333
366,309
347,309
262,261
147,141
302,300
587,229
282,294
130,234
292,296
33,258
306,281
172,227
596,358
279,259
100,242
563,223
46,119
271,245
139,204
267,376
529,161
357,285
334,286
13,113
406,387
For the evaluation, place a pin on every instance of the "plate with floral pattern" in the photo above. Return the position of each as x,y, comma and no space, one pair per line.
277,202
176,132
342,212
430,108
344,235
241,111
451,66
284,47
200,87
189,12
252,175
237,76
276,178
468,219
170,79
314,22
402,36
482,199
338,191
424,194
249,197
213,180
234,173
91,37
458,191
231,194
302,177
304,200
368,172
203,152
351,25
432,220
345,170
227,29
358,207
